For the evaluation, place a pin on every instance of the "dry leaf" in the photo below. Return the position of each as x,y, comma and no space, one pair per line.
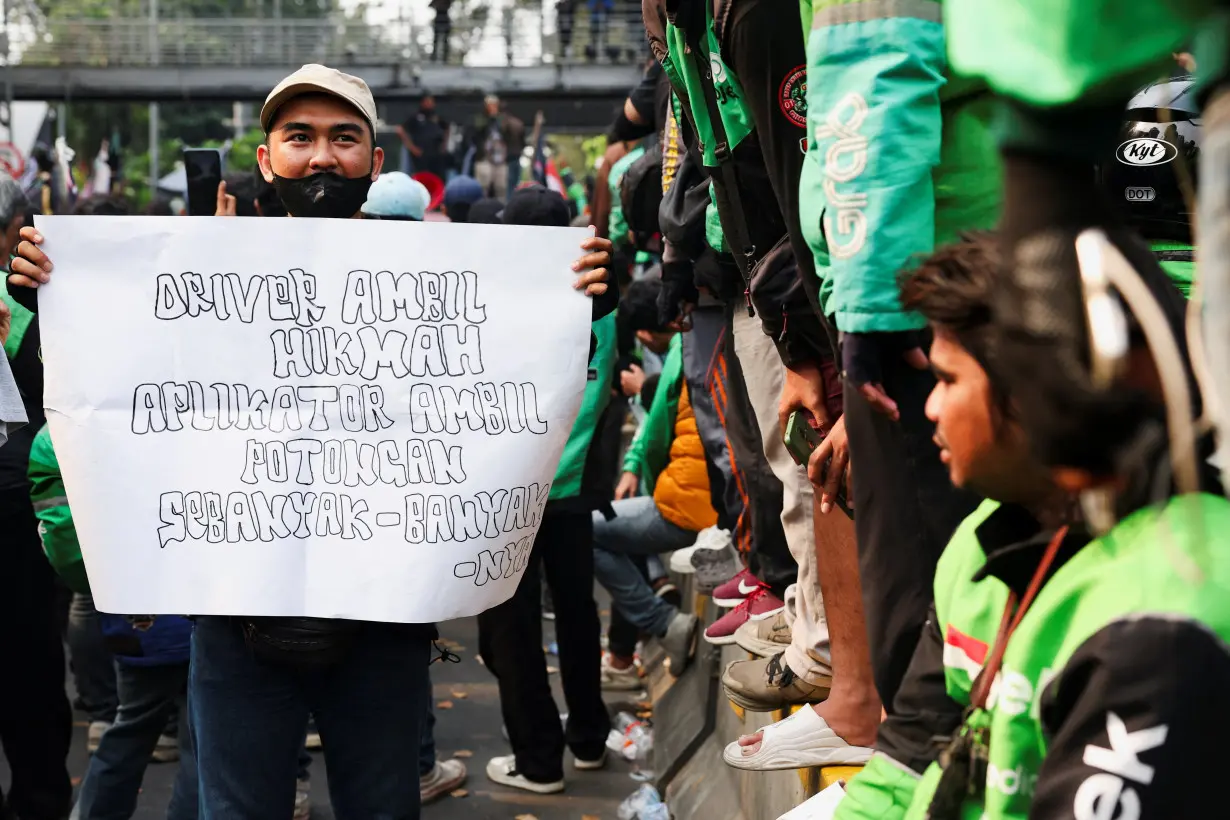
644,715
590,817
444,704
525,817
551,670
463,753
460,695
458,793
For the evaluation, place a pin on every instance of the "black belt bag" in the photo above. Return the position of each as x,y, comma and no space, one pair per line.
299,641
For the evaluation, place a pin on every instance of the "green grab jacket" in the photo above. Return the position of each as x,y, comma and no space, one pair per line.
900,156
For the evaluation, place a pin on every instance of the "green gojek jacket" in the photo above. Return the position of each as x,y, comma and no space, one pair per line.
1111,689
55,520
650,450
569,477
900,154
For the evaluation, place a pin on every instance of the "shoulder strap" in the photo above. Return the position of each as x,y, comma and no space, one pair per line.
699,52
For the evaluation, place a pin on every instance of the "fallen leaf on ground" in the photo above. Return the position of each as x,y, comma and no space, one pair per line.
444,704
463,753
458,793
590,817
460,695
551,670
525,817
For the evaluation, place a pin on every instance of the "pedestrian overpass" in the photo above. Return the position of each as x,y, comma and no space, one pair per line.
576,74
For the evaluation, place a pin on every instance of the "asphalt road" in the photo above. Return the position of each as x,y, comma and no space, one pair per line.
471,724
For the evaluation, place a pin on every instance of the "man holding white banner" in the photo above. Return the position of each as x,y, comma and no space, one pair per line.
272,456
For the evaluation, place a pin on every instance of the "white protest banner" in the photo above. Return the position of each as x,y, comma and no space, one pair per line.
332,418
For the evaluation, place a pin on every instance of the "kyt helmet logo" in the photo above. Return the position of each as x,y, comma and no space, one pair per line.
1146,151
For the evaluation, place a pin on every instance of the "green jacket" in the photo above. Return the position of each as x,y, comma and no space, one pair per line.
1177,259
569,477
900,156
1115,673
55,520
22,317
617,225
1056,52
650,450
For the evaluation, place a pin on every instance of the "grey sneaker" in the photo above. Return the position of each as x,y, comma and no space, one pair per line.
680,642
303,800
620,680
714,559
94,734
445,776
166,751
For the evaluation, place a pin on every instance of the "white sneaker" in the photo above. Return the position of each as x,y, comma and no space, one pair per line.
804,739
710,538
166,750
303,800
94,735
589,765
620,680
446,776
503,770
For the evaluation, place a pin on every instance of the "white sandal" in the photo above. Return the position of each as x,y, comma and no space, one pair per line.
804,739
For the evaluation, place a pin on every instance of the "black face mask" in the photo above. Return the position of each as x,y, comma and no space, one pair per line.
323,195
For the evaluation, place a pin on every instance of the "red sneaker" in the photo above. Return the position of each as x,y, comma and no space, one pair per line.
735,591
757,606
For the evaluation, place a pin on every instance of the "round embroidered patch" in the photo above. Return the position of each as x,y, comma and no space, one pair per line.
792,96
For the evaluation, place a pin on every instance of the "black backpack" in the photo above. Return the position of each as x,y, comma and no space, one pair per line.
640,193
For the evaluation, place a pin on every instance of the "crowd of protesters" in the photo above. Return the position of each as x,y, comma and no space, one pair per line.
960,521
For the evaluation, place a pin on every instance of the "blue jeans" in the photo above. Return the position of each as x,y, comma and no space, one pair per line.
148,696
637,529
249,716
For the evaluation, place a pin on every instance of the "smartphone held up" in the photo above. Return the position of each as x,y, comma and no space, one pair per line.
203,168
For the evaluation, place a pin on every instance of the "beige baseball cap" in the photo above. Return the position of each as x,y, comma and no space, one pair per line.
314,78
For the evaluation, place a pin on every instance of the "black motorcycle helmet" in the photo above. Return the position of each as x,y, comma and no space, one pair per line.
1158,147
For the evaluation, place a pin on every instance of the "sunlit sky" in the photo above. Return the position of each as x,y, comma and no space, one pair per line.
489,50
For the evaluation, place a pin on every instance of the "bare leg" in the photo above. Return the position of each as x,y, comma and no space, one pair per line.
853,707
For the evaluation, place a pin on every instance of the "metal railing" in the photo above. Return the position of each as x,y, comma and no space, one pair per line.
226,42
506,36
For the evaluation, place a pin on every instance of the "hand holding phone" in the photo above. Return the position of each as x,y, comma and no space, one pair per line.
802,440
203,168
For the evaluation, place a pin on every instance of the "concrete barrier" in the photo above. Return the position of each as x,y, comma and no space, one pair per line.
693,722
